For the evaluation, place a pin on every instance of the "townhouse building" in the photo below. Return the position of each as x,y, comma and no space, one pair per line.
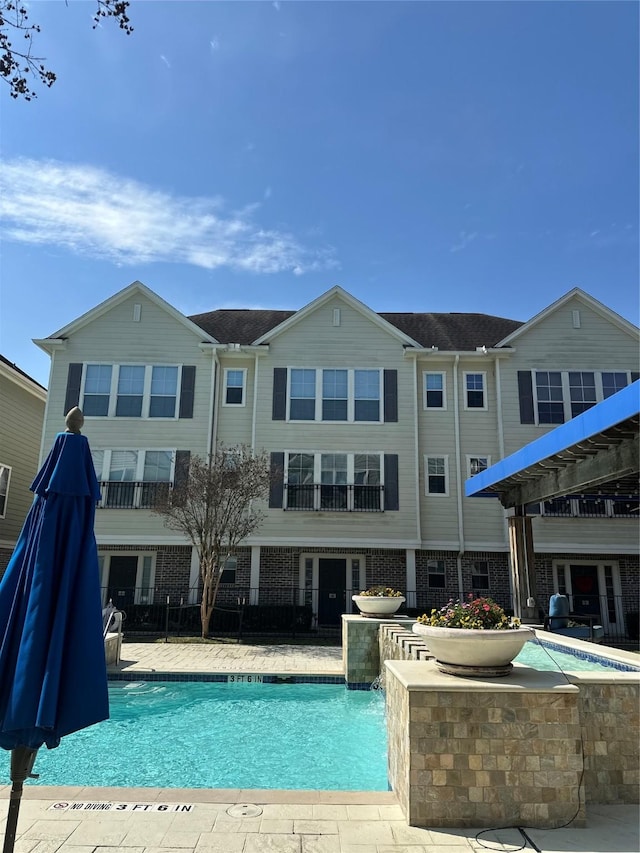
373,421
22,405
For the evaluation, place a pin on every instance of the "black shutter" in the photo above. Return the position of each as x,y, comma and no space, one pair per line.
279,404
635,376
187,388
276,483
390,396
391,481
525,393
74,378
182,468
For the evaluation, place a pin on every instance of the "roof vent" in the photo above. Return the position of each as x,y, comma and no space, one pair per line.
576,318
336,316
137,312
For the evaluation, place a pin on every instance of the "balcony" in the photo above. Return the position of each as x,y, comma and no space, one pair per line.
317,497
132,495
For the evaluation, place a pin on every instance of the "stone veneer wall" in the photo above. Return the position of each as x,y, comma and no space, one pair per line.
466,752
608,712
360,650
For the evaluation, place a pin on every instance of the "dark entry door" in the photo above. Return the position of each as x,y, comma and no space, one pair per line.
584,583
123,571
331,591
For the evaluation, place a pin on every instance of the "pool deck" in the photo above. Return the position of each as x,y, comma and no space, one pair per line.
251,821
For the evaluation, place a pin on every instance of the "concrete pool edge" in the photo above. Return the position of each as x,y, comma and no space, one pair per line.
55,793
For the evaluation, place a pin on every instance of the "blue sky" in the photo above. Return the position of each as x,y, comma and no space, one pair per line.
427,156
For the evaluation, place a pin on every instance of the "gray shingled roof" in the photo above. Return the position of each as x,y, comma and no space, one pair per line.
445,331
21,372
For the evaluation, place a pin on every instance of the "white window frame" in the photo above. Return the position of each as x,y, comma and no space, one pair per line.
3,508
439,563
574,508
317,477
566,390
445,458
104,474
471,457
146,394
351,372
561,571
485,405
443,375
104,562
315,558
225,387
232,559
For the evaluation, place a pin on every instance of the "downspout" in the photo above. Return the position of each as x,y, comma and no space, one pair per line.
417,451
255,402
456,432
213,432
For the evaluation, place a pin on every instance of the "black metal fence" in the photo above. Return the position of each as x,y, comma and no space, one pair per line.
289,612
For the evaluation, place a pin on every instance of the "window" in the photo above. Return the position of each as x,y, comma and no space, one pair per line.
164,392
302,395
97,390
131,390
335,482
342,395
555,396
612,383
367,395
476,464
229,568
549,394
436,475
5,477
474,391
434,391
133,478
480,576
436,577
582,391
234,383
333,479
335,395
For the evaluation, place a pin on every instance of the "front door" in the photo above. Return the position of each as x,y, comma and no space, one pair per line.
586,593
123,571
332,576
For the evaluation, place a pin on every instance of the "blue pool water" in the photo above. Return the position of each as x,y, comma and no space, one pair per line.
551,657
218,735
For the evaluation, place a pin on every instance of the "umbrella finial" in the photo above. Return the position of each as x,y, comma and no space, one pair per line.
74,420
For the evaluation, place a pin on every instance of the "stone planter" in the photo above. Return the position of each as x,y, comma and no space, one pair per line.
471,652
378,606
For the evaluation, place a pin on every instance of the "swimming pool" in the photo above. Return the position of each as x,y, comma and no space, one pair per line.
218,735
555,657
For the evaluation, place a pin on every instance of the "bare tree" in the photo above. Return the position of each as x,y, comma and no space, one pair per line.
16,63
213,504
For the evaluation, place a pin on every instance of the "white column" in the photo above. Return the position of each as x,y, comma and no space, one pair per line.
254,577
410,557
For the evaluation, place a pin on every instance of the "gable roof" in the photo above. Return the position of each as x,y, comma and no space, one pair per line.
20,377
462,332
589,301
137,287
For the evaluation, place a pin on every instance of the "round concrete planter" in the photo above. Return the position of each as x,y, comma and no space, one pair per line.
475,653
378,605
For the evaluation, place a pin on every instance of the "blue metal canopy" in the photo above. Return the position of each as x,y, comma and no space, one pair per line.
595,452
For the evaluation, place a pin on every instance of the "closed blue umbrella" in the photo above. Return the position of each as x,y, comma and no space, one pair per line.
53,678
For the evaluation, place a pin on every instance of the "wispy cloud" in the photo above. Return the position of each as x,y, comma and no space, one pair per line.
95,213
276,5
165,60
214,44
464,238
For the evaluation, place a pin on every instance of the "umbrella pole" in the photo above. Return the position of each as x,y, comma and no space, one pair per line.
22,758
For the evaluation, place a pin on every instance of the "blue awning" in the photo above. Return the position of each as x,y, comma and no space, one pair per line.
608,430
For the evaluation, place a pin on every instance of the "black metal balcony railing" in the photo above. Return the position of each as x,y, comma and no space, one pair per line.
132,495
331,498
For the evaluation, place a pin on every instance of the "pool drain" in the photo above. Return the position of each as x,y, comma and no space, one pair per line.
244,810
